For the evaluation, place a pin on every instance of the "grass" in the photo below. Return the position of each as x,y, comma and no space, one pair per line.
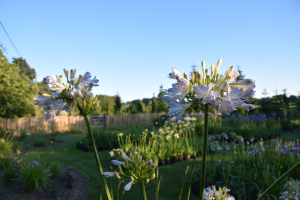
172,175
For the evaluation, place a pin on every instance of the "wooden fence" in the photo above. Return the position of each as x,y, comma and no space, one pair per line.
69,123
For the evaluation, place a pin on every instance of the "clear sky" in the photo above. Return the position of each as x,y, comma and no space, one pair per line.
131,46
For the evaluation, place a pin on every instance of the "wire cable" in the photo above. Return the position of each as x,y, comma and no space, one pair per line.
10,39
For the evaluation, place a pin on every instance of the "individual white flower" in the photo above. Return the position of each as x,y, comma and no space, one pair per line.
219,148
85,80
128,186
117,163
233,75
108,174
58,86
42,100
48,113
226,106
175,74
27,134
168,137
177,92
2,141
246,106
243,84
235,96
74,92
178,108
204,92
184,83
176,135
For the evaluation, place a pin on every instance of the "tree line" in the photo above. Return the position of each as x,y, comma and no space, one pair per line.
18,87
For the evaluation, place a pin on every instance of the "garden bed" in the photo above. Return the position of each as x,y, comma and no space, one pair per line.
70,185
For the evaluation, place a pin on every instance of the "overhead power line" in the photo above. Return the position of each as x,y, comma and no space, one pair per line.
10,39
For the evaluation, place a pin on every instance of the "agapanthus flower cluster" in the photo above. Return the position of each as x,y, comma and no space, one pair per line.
292,190
59,96
222,92
211,193
288,147
137,169
258,148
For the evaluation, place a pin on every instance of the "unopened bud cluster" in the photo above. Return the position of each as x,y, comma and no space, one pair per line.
137,169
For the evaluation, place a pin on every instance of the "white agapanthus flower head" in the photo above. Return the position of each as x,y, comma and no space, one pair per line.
60,96
211,193
222,92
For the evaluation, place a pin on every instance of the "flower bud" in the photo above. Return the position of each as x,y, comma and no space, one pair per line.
212,69
152,177
117,175
200,79
203,66
184,75
139,150
122,155
208,78
67,86
128,186
71,74
60,79
66,73
120,169
108,174
193,78
218,66
149,163
132,178
191,89
230,70
206,72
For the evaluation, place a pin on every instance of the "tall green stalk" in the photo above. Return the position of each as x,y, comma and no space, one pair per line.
88,125
204,152
143,190
278,180
191,178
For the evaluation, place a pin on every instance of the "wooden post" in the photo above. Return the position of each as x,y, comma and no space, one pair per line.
104,120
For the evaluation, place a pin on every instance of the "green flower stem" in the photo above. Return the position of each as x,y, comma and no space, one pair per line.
204,153
143,190
278,180
183,183
191,179
88,125
157,181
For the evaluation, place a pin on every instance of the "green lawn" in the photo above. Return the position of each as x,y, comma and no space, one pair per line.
172,175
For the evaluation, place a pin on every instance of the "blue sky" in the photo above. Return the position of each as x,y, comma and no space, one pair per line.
131,46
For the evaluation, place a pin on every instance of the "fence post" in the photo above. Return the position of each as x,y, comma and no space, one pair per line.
104,121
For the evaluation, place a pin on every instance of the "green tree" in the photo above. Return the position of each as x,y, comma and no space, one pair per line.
162,106
16,91
241,76
140,106
118,104
154,105
131,108
24,68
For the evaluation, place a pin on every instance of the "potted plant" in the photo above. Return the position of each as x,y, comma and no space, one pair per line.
161,155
